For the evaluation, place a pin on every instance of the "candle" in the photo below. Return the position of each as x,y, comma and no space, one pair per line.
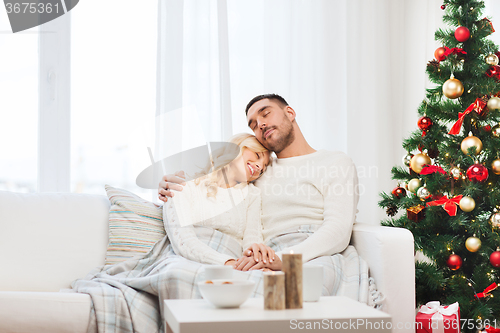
292,267
274,290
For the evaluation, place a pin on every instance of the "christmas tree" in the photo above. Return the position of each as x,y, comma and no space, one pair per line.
449,188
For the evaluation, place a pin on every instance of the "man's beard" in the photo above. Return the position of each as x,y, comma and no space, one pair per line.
287,135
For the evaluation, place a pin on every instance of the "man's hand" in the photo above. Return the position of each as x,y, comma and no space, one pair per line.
169,183
230,262
260,253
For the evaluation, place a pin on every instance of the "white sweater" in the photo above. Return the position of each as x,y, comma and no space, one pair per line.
318,188
234,211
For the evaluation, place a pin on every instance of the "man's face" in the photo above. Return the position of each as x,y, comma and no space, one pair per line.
270,124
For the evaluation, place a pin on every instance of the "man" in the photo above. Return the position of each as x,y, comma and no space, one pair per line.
304,190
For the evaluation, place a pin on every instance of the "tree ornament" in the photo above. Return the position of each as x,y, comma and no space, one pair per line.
453,88
462,34
407,159
391,210
417,162
495,258
414,184
439,54
399,192
443,7
424,123
423,193
433,152
473,244
495,131
494,103
467,204
471,141
477,173
456,173
495,166
454,262
415,213
491,59
495,220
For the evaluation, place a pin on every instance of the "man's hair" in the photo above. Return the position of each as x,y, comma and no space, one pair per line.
273,97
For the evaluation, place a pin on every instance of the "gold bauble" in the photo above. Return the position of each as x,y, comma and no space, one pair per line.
453,88
417,162
471,141
467,204
495,131
414,184
495,220
491,59
494,103
495,166
473,244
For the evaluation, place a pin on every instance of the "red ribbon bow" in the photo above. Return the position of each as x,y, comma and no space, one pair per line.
490,329
449,205
428,169
448,51
477,106
488,290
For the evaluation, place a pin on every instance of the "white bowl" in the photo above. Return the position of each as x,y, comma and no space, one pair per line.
226,295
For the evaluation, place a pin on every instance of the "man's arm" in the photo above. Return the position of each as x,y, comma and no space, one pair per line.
170,182
340,207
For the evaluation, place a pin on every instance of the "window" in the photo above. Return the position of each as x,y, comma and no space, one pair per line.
18,108
113,93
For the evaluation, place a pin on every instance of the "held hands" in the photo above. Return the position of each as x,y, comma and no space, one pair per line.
171,182
258,256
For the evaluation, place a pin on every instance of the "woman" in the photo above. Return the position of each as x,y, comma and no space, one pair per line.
225,200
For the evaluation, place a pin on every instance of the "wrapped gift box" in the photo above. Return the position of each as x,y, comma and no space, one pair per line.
436,318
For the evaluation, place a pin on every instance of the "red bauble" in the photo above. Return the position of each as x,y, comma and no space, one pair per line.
439,54
443,7
454,262
477,173
495,259
424,123
462,34
399,192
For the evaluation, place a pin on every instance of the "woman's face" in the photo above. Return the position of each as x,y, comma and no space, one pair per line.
250,165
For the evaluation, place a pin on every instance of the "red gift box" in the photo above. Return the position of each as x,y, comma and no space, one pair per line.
435,318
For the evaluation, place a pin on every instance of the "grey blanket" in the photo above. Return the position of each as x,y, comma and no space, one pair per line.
128,297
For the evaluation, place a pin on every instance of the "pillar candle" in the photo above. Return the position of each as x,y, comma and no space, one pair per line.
292,267
274,290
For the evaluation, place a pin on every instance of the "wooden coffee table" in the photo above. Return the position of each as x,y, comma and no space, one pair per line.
329,313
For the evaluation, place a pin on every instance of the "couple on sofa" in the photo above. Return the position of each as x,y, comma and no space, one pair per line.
305,201
302,187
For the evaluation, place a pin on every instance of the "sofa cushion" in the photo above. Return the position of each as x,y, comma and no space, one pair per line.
48,240
44,312
135,225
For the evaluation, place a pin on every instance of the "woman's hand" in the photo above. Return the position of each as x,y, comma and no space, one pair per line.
274,266
260,253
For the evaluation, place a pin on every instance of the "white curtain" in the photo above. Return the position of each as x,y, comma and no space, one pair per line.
353,70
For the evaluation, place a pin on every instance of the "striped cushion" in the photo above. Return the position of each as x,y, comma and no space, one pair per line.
135,225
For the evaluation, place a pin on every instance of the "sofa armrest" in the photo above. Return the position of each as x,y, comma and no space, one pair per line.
389,253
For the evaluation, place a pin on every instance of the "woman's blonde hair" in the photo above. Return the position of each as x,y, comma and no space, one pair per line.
212,175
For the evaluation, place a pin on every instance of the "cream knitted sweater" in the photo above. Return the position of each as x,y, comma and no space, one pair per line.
319,189
234,211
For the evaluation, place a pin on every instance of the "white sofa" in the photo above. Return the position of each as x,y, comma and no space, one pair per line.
48,240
